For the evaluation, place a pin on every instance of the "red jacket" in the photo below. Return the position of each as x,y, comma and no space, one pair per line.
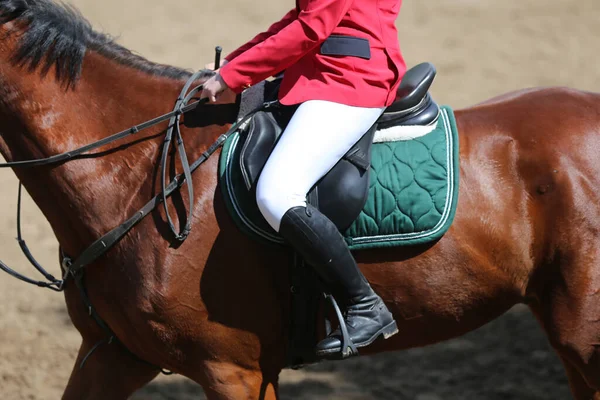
293,45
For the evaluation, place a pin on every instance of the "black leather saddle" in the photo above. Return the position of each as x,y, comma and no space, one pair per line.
348,181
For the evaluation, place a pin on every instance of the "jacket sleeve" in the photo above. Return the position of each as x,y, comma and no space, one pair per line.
273,29
277,52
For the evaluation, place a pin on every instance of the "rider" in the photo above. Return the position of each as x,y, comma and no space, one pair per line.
342,64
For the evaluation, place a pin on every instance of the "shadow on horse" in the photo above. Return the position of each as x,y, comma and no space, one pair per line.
214,308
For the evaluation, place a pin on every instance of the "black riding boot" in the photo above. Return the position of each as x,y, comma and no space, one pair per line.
321,245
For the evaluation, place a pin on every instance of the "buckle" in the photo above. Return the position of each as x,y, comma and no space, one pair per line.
66,264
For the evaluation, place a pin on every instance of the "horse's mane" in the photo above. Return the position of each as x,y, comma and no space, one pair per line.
56,34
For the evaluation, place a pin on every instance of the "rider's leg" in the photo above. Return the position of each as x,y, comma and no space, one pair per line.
318,135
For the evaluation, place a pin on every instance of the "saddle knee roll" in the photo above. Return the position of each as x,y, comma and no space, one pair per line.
340,194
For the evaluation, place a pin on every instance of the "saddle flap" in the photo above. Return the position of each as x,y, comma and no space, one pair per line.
342,193
262,134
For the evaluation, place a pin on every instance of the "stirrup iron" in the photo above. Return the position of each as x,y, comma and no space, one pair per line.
348,348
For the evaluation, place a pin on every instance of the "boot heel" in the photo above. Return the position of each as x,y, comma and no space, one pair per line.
390,330
386,332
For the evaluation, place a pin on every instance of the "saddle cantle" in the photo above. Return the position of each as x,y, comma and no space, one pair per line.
348,181
413,104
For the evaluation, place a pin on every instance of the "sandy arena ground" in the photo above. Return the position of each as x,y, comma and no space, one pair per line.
481,48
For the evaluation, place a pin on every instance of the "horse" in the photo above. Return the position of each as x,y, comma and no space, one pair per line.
215,307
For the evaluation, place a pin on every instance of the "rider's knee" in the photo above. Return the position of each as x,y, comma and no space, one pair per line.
274,198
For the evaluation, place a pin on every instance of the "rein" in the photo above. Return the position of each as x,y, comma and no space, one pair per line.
75,268
110,239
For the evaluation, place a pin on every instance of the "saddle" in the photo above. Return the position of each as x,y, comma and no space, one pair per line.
347,183
341,194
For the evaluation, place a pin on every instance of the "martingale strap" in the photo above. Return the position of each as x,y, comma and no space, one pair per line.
181,107
76,268
103,244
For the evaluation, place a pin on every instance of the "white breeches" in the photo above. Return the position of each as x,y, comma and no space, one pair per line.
317,137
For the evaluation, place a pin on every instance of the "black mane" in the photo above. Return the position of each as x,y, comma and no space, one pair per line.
57,35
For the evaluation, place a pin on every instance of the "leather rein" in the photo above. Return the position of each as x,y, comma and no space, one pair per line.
75,269
104,243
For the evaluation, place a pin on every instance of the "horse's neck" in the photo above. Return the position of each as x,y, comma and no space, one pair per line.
84,198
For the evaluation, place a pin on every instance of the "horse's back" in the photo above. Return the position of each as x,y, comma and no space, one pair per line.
558,126
554,107
534,155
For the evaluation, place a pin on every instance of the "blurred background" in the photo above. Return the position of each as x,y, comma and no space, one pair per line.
481,48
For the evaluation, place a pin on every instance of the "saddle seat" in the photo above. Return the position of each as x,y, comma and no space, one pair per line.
347,183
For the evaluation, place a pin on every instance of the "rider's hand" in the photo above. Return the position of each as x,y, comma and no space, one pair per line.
214,87
211,65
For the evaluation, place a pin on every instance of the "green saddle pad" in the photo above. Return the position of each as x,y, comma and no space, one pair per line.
413,191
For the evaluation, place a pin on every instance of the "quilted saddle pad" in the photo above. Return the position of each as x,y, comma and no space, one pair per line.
413,191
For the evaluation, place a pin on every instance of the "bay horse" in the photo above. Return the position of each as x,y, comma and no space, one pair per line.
214,308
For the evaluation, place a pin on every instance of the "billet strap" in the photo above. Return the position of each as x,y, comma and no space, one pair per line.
358,158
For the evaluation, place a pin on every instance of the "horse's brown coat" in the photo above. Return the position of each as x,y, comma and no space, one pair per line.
214,309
